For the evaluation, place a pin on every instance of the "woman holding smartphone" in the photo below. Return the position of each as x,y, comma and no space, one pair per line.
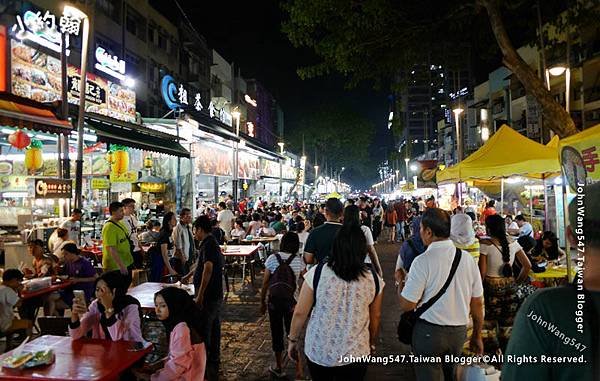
113,315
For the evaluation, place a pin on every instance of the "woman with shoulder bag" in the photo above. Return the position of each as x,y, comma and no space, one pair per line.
495,265
345,298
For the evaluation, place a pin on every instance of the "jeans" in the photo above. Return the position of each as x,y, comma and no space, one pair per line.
436,340
399,230
351,372
211,331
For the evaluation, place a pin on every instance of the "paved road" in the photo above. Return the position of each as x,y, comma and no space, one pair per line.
246,341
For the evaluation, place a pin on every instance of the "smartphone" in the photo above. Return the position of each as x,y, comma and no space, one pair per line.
79,295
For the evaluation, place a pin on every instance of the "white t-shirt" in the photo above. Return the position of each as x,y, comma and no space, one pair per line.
73,228
131,223
226,218
513,225
427,275
8,299
254,227
272,264
302,237
494,257
339,322
369,237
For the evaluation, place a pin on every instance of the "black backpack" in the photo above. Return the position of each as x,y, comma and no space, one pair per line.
282,283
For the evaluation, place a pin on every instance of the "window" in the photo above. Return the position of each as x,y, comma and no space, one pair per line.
136,65
111,8
162,41
135,24
152,34
111,46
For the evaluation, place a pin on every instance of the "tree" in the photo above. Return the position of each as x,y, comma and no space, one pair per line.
377,39
339,136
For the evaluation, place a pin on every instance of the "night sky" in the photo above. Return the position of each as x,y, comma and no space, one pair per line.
249,34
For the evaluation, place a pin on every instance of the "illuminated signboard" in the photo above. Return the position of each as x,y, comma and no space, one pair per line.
40,28
53,188
108,64
36,75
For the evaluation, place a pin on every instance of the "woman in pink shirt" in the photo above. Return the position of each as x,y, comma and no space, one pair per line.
181,318
113,315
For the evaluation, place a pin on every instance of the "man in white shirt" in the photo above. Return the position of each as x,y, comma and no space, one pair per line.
184,239
73,225
131,222
225,219
442,328
525,227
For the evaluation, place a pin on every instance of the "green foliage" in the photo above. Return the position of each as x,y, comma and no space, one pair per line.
376,40
340,136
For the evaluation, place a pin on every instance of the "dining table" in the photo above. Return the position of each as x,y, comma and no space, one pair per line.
144,292
78,360
554,275
245,253
56,285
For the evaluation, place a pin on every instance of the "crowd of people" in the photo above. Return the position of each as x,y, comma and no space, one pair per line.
461,275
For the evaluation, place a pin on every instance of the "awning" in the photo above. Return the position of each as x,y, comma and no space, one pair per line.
112,131
507,153
24,113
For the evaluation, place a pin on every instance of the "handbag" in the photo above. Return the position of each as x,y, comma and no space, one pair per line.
409,318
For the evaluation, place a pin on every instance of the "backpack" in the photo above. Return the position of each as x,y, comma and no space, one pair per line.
408,259
282,283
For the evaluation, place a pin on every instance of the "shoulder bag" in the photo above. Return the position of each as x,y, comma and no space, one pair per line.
409,318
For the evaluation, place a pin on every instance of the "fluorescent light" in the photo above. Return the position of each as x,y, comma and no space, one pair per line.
129,82
555,71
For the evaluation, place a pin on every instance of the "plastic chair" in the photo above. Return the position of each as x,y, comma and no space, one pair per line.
54,325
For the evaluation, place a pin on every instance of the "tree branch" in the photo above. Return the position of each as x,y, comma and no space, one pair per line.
555,115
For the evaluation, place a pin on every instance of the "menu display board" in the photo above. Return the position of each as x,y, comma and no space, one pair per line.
249,166
36,75
270,168
211,160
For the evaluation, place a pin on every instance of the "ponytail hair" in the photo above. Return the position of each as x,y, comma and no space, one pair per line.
496,228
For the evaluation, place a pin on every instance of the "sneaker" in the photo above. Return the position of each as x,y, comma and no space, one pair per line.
279,373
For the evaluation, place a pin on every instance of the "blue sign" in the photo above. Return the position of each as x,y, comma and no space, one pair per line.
168,88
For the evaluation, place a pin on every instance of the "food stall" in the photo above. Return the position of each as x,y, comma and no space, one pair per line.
46,201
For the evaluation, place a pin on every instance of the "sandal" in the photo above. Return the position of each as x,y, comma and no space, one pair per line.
279,373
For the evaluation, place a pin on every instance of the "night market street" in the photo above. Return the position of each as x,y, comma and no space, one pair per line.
246,342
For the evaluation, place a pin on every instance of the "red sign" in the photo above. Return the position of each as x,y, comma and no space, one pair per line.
2,58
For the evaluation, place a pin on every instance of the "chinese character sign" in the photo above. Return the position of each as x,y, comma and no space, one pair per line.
70,24
579,156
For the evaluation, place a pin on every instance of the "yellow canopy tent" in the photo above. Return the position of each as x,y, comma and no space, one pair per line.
506,154
582,149
334,194
554,142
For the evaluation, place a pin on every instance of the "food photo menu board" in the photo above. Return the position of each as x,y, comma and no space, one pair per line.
36,75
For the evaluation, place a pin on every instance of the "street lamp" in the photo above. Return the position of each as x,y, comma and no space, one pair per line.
234,183
303,166
281,144
557,71
338,178
485,130
74,13
457,111
406,160
397,176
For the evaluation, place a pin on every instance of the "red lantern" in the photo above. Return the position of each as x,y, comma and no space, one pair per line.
19,139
